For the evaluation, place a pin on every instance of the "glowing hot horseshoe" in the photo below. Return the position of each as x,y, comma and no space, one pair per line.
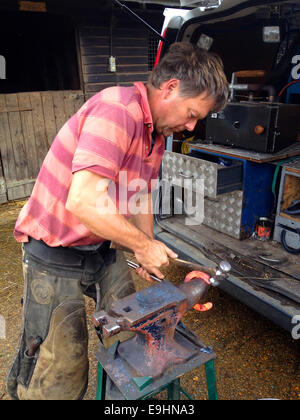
203,308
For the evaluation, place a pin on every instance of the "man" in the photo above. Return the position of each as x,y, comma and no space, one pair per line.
82,200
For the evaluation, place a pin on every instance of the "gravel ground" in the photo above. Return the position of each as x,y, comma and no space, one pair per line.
255,358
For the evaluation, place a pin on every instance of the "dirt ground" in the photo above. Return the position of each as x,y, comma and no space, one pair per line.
255,358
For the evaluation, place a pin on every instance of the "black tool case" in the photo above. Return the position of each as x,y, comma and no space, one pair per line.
260,126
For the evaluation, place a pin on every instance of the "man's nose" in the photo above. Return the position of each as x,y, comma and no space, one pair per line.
190,125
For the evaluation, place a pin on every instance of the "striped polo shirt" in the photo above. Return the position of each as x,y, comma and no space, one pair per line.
110,135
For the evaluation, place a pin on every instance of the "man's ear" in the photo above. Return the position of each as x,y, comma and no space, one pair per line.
170,87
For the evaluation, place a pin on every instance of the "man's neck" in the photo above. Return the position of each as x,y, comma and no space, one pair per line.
152,94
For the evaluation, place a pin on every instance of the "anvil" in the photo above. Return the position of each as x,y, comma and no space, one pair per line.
153,313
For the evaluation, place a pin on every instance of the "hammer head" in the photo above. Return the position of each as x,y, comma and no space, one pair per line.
221,273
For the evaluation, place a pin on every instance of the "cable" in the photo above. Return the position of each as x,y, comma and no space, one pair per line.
285,245
278,165
287,86
131,12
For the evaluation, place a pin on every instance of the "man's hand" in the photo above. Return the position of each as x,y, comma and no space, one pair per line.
152,257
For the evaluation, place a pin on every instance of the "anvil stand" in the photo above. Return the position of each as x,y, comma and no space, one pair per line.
142,388
162,349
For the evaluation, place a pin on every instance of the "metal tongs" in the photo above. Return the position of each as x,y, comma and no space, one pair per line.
134,265
216,274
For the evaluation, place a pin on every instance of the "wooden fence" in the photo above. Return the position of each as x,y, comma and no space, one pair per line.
29,123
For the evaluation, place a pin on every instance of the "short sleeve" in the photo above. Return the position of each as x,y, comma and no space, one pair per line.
105,134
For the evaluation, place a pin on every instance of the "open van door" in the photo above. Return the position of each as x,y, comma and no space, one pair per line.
248,155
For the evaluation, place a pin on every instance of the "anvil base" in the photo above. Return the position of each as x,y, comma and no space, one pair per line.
153,362
128,380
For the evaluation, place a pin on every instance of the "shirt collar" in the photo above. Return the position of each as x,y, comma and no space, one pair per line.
144,103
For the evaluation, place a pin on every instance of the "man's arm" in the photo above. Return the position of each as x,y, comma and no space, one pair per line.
144,221
89,201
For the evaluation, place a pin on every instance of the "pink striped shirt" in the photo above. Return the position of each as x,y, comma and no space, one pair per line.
111,136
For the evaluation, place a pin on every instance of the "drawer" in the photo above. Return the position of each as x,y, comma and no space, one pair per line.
225,213
218,178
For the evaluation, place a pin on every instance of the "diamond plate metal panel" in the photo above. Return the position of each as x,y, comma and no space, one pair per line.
225,213
221,212
177,167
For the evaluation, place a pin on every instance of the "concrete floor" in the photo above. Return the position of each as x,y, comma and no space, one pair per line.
255,358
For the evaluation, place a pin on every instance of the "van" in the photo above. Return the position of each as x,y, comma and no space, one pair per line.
231,188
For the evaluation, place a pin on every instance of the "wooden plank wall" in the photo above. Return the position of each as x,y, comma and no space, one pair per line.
120,37
29,123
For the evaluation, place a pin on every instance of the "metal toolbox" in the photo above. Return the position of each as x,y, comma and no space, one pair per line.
218,178
225,213
258,126
223,198
234,198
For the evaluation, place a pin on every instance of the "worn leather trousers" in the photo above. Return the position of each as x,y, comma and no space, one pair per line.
52,359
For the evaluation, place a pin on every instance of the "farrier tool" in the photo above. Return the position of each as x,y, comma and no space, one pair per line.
216,274
160,349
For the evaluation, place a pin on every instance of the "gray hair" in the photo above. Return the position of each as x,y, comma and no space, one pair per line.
198,70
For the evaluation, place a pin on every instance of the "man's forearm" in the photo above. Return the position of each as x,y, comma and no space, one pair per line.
144,222
89,201
98,213
114,228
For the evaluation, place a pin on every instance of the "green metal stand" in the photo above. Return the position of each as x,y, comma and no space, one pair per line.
174,389
101,383
211,381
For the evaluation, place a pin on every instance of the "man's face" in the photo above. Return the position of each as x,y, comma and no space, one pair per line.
176,113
